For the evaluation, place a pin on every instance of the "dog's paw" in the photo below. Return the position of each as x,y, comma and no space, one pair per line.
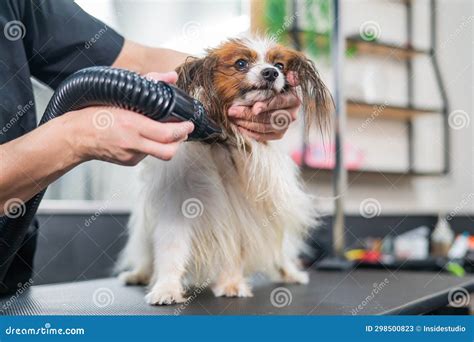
295,277
134,278
233,289
165,295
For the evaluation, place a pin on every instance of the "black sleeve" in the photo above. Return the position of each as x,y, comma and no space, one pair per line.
60,38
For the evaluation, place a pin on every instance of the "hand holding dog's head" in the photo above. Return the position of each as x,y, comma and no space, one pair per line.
244,71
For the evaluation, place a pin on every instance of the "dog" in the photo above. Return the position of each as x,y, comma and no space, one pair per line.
218,213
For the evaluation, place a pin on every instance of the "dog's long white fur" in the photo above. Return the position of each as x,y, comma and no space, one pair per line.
254,218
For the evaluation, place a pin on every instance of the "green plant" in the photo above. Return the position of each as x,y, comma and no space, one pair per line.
315,35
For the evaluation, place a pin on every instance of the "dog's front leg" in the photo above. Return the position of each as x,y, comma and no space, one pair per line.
172,247
289,270
232,283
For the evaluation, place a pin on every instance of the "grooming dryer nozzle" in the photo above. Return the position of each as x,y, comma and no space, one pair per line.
160,101
190,109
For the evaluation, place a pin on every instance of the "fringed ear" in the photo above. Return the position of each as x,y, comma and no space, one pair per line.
316,100
196,77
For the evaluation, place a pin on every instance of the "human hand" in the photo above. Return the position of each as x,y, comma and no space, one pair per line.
124,137
268,120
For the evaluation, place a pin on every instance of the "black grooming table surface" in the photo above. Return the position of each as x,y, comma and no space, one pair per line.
329,293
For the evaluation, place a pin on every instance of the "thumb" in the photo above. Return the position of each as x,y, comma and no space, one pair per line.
168,77
240,112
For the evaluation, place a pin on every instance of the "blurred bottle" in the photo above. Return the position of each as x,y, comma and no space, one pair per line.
441,238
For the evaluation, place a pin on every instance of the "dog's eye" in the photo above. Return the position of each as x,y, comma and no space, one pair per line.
279,66
241,64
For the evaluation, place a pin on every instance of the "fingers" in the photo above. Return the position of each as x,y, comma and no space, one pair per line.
248,116
241,112
165,133
168,77
263,118
283,101
276,135
268,120
162,140
266,126
287,101
158,150
256,126
269,125
126,137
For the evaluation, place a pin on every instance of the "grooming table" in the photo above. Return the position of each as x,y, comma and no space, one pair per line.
329,293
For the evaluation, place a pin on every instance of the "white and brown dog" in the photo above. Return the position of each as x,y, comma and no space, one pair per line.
217,213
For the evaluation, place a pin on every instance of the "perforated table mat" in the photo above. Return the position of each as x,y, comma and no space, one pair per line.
356,292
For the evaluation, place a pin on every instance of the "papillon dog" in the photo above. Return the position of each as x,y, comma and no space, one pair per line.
217,213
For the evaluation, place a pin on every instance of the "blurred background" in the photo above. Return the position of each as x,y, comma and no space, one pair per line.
408,133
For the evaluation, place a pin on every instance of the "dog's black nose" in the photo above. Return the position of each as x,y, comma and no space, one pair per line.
269,74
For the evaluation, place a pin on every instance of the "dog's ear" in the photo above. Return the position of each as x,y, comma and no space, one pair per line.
195,73
315,97
196,77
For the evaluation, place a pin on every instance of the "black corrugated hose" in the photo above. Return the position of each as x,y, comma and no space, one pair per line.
105,86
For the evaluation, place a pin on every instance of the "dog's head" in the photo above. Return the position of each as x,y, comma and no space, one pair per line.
242,71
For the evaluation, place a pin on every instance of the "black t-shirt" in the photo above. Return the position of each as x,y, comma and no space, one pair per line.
48,40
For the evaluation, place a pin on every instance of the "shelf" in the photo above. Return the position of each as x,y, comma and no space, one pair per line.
377,172
356,46
375,48
379,110
360,46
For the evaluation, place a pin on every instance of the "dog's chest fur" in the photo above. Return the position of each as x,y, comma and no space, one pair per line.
249,203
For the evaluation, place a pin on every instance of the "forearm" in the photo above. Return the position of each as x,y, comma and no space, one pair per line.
30,163
144,59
